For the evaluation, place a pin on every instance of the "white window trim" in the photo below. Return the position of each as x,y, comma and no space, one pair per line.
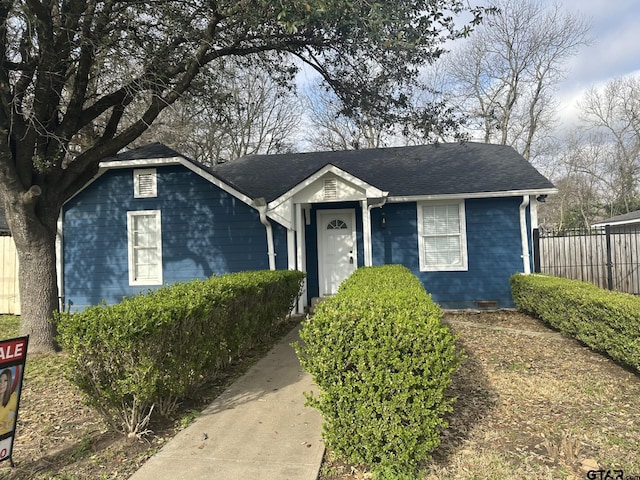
463,239
132,280
143,172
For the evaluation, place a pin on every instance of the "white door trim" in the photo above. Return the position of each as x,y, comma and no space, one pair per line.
323,214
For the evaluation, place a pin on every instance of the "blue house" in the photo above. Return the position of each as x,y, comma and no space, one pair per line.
460,216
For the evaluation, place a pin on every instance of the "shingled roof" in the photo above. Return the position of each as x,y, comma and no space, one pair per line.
152,150
625,218
438,169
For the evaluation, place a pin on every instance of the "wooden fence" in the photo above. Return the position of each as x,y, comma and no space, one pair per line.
608,257
9,288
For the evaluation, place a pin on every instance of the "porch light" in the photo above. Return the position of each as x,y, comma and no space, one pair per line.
383,220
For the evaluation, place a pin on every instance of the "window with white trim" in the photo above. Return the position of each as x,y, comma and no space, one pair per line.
442,236
145,247
145,183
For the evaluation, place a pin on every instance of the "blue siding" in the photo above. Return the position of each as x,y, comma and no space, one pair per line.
205,231
493,247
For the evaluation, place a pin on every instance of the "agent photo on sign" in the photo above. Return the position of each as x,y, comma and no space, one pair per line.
8,402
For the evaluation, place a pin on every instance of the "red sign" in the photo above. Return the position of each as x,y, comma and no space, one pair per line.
10,350
13,354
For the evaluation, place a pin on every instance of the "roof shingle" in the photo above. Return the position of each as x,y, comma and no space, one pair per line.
438,169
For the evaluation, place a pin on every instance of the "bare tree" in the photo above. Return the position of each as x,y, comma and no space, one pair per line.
249,113
504,77
582,184
425,117
330,129
611,116
600,167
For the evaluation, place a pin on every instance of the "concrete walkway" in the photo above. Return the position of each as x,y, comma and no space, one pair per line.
258,429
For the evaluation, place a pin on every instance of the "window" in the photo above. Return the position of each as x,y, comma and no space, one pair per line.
145,247
337,225
442,236
145,183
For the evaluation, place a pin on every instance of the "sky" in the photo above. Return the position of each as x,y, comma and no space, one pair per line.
613,52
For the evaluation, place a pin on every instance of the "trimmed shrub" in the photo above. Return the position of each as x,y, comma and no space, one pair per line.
382,360
152,350
606,321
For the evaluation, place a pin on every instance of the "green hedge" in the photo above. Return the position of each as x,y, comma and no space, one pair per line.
604,320
152,350
382,360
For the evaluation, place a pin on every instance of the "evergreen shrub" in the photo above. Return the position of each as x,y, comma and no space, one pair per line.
606,321
382,360
152,350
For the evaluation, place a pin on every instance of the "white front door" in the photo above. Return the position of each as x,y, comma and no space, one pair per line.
336,248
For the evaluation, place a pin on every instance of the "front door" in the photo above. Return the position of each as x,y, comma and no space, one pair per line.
336,248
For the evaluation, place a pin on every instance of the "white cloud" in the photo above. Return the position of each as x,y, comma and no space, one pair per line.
613,52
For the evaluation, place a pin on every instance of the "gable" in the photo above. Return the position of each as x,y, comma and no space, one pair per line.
469,170
405,172
203,230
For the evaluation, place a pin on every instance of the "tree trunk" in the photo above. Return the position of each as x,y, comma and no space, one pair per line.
35,241
38,293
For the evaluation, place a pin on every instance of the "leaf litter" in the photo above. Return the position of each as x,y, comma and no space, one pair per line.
531,403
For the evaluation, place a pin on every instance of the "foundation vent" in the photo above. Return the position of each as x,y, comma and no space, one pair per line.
487,304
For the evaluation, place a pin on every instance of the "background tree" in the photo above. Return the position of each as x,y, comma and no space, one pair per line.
239,110
81,79
425,116
580,192
330,129
504,75
611,116
598,171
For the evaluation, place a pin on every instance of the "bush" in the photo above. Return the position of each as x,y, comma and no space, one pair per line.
606,321
382,360
152,350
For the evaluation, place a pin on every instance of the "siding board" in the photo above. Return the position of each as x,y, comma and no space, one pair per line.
205,231
493,246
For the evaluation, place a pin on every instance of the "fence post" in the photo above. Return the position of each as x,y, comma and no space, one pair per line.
536,250
607,232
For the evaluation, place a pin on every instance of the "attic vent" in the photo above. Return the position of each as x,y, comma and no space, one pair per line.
330,188
145,183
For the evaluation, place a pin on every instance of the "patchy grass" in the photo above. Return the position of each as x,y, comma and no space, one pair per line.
9,326
532,404
59,437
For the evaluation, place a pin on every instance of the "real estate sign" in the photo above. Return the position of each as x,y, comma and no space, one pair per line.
13,354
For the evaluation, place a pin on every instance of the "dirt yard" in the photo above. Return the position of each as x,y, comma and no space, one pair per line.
59,438
531,404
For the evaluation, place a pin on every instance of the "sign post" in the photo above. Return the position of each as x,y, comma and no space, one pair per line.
13,355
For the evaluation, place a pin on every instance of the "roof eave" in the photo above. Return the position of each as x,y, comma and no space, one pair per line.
614,224
165,162
463,195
